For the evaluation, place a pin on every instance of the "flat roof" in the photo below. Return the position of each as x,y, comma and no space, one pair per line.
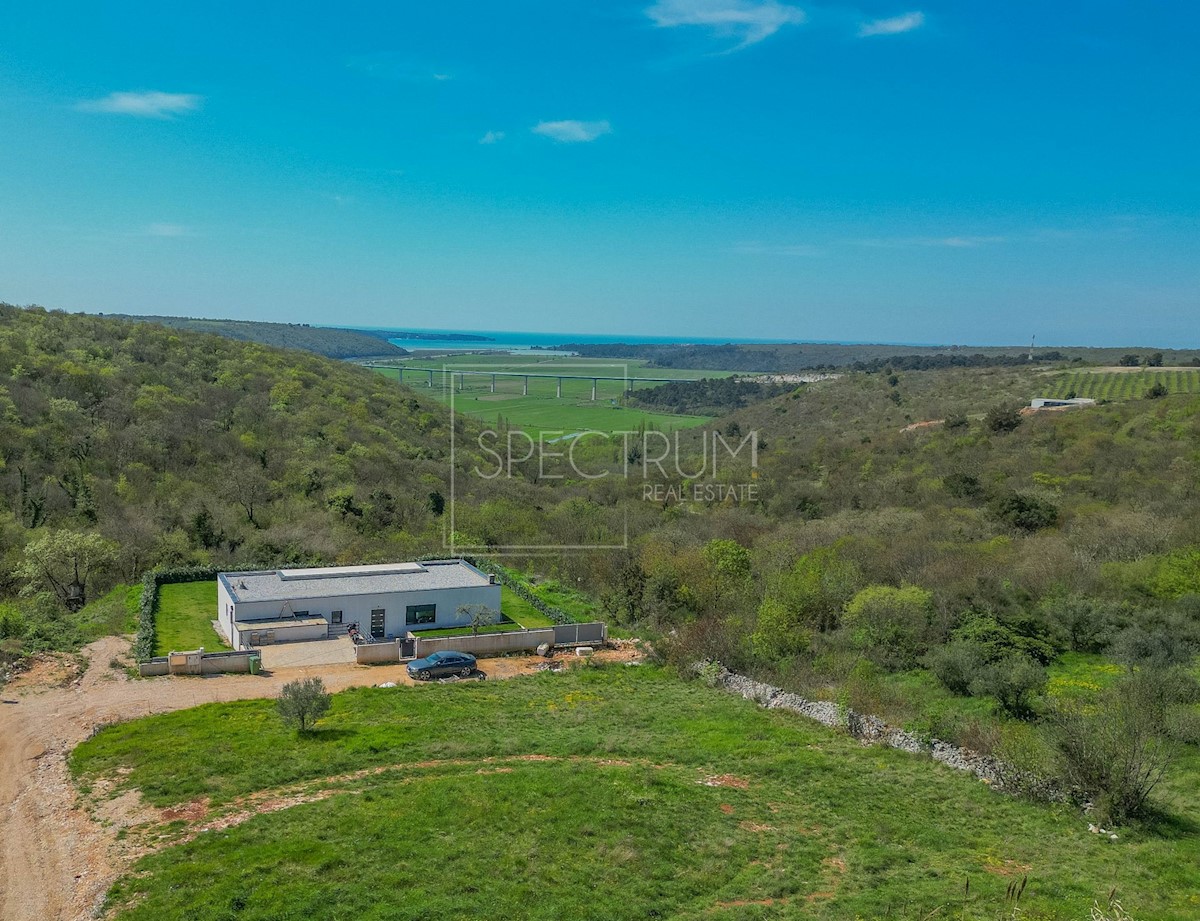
335,581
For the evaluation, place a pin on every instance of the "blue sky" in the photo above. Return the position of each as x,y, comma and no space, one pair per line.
934,172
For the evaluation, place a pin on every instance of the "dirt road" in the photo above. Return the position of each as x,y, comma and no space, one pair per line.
56,861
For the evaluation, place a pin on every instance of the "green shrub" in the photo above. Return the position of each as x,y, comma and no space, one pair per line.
1025,513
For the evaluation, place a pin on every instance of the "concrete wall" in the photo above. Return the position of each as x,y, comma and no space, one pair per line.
377,653
486,644
153,668
211,663
289,634
357,608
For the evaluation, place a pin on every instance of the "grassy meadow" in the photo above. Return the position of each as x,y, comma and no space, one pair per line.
604,792
542,410
184,619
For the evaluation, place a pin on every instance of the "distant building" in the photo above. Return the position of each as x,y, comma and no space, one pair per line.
282,605
1047,403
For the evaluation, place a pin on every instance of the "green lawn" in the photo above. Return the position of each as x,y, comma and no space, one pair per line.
605,793
184,619
518,609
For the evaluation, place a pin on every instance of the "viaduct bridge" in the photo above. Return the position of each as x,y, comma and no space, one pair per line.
454,374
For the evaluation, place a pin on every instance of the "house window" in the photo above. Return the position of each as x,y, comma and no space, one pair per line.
420,614
300,614
335,617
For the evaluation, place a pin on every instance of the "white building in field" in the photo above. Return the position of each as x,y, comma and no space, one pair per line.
387,601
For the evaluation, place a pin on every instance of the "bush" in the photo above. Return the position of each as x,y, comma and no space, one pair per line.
1116,752
1026,513
890,624
302,702
1002,419
955,665
1083,624
1012,681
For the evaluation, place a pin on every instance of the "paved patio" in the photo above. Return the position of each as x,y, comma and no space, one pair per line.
339,651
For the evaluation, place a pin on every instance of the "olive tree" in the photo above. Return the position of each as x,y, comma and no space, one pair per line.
302,702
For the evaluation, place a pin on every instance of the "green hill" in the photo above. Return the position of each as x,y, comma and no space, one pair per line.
321,340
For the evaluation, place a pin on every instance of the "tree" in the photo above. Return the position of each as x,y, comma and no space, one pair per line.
63,562
1028,513
1155,360
1158,390
1002,419
1129,361
729,561
890,624
302,702
480,615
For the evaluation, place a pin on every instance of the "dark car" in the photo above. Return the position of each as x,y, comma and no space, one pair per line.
442,665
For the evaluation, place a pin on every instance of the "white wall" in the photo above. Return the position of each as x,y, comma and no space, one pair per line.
358,607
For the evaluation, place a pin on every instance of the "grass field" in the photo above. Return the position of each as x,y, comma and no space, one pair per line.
1121,385
184,620
518,609
604,793
542,409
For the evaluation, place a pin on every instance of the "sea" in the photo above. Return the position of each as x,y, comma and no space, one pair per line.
511,341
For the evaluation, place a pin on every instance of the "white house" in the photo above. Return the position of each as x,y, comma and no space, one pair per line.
282,605
1048,403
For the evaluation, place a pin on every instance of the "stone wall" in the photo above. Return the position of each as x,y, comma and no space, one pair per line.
874,731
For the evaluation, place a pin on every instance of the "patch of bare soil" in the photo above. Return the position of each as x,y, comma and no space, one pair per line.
60,852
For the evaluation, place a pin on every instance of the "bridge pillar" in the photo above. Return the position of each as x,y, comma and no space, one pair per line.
559,393
460,382
431,377
593,388
525,391
493,383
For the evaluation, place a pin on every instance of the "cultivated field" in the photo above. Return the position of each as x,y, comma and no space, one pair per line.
542,409
611,792
1122,385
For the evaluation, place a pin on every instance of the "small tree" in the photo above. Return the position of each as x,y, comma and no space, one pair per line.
302,702
63,562
1158,390
481,616
1002,419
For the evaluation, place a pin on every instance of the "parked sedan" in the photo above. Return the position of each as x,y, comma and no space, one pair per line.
442,665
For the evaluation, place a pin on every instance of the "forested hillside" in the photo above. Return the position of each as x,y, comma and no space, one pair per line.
179,448
330,342
808,356
911,544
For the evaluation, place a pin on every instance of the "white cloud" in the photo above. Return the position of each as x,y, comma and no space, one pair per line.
492,137
151,104
776,249
906,22
571,131
168,230
748,21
